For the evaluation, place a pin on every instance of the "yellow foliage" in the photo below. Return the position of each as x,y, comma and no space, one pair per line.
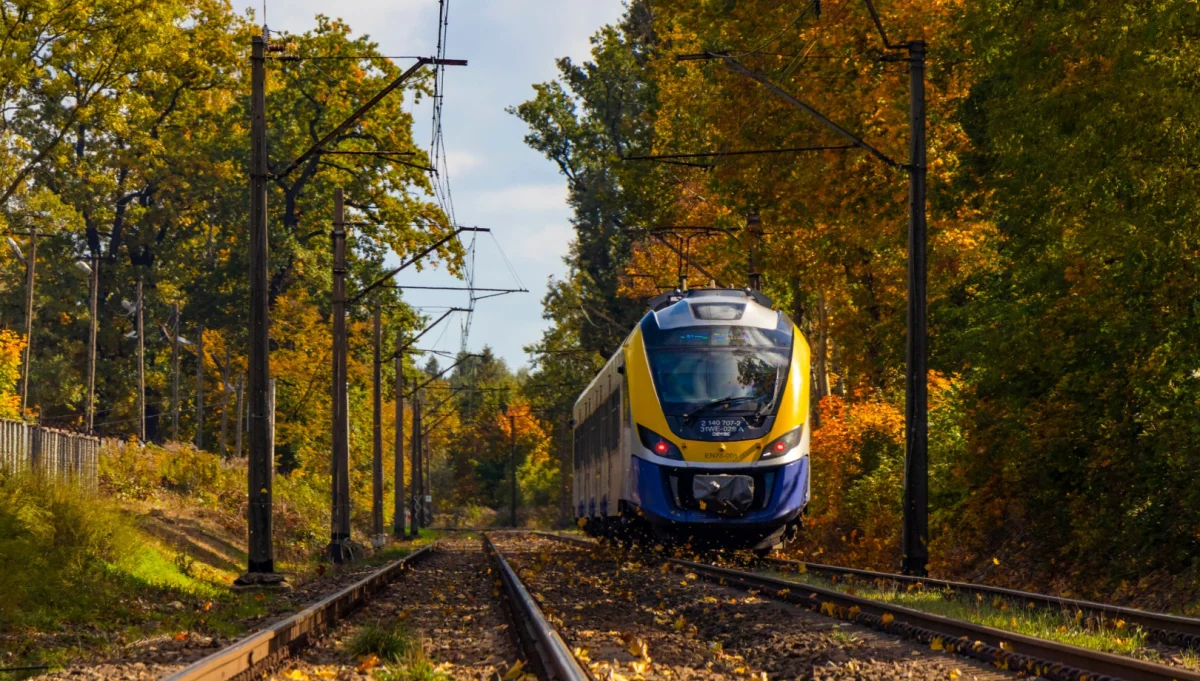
11,347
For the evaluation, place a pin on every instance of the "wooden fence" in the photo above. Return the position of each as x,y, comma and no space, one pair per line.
68,456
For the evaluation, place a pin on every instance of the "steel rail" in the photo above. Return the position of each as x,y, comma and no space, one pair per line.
269,646
1005,649
544,647
1172,630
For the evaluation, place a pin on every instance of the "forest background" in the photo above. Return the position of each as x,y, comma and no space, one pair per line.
125,145
1063,259
1063,255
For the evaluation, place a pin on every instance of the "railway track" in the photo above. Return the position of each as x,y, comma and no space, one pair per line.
543,645
264,649
1170,630
1002,649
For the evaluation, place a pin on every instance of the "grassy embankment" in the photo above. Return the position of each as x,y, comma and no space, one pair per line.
90,576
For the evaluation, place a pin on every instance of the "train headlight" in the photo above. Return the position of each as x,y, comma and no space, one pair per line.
782,444
659,444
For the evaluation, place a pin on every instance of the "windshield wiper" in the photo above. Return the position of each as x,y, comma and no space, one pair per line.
765,409
716,403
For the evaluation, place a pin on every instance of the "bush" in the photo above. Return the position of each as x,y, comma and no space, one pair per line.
58,549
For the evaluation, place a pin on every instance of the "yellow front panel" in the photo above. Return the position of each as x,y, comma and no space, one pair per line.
793,406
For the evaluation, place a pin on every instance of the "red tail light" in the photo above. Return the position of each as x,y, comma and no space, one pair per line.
782,444
659,444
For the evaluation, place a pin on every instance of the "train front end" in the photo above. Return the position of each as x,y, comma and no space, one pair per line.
719,395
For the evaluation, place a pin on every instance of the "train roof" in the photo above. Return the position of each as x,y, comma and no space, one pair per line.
699,307
671,297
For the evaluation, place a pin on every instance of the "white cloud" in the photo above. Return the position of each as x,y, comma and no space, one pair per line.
462,162
523,199
545,245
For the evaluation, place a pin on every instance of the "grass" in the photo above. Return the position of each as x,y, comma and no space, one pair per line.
391,642
417,667
388,641
1055,625
82,579
843,637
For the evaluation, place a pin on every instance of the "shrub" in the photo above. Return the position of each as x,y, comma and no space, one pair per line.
58,548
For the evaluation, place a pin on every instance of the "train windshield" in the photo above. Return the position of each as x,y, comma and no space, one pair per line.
742,367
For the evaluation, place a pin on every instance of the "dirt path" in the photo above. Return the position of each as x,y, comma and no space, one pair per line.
633,620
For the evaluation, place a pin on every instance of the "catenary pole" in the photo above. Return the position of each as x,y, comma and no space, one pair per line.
398,501
340,531
93,326
378,538
415,463
30,273
141,353
200,387
261,464
916,461
225,390
427,481
238,411
915,529
174,373
512,466
753,235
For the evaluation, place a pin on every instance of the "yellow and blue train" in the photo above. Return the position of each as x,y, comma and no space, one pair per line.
697,428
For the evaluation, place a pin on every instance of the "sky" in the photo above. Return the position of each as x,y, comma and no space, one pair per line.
496,181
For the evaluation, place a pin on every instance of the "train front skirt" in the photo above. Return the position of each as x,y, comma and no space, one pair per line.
737,508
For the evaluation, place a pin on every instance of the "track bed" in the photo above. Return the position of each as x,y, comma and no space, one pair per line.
607,605
446,602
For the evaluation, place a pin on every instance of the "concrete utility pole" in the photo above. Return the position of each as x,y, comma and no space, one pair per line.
93,326
398,452
200,387
141,387
261,565
415,461
916,414
30,272
378,538
339,549
174,373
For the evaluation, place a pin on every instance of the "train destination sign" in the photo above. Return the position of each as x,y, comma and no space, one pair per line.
722,427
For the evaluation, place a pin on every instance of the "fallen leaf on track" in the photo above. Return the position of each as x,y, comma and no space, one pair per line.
367,663
514,671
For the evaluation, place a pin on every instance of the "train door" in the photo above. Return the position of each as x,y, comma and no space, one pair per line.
576,469
593,456
612,407
602,441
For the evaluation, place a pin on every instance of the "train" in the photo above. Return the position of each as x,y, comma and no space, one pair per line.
696,431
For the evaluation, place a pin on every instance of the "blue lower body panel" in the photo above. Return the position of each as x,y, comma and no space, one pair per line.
662,496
